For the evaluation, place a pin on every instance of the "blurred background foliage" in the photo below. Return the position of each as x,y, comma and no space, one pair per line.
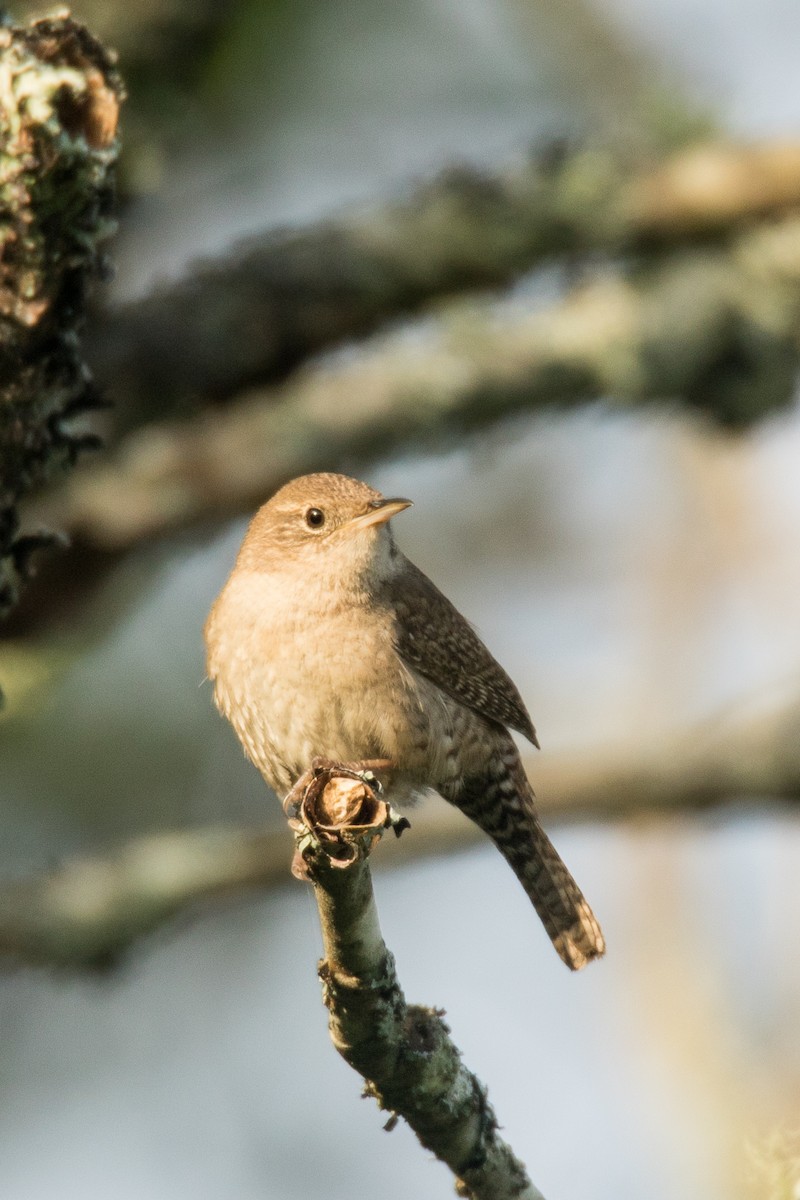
634,565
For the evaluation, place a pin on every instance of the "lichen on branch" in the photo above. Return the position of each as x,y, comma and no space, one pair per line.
60,96
403,1051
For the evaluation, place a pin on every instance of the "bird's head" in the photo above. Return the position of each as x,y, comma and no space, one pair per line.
323,523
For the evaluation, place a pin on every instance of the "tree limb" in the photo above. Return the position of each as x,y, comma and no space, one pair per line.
59,104
89,912
404,1052
717,329
251,316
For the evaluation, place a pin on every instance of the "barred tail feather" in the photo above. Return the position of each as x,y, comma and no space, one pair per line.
501,802
560,903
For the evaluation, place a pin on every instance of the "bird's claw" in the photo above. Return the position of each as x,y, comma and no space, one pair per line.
294,797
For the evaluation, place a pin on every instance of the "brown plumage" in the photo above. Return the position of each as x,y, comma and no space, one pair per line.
434,639
327,641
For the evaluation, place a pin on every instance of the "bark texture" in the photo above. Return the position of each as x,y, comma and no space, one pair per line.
60,97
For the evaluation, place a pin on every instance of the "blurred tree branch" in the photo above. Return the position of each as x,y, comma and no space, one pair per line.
89,912
272,302
716,328
92,910
713,325
59,104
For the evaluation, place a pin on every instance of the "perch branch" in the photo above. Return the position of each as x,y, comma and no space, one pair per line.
404,1052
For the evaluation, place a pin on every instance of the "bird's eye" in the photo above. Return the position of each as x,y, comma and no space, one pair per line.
315,518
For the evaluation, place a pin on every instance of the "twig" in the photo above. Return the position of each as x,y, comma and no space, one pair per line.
404,1052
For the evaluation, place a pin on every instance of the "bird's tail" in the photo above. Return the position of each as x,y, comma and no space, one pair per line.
503,805
560,903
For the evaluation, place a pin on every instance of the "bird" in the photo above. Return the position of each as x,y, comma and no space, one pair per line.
327,642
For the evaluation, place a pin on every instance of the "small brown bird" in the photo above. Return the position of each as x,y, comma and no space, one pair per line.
326,641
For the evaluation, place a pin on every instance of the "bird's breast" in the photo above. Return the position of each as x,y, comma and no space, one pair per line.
321,677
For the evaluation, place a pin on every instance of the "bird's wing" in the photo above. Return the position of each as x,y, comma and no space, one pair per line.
432,637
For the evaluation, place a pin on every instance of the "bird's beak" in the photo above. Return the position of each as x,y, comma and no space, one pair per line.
380,511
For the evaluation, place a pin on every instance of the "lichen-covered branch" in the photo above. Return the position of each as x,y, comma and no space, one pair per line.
403,1052
717,330
59,105
268,304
